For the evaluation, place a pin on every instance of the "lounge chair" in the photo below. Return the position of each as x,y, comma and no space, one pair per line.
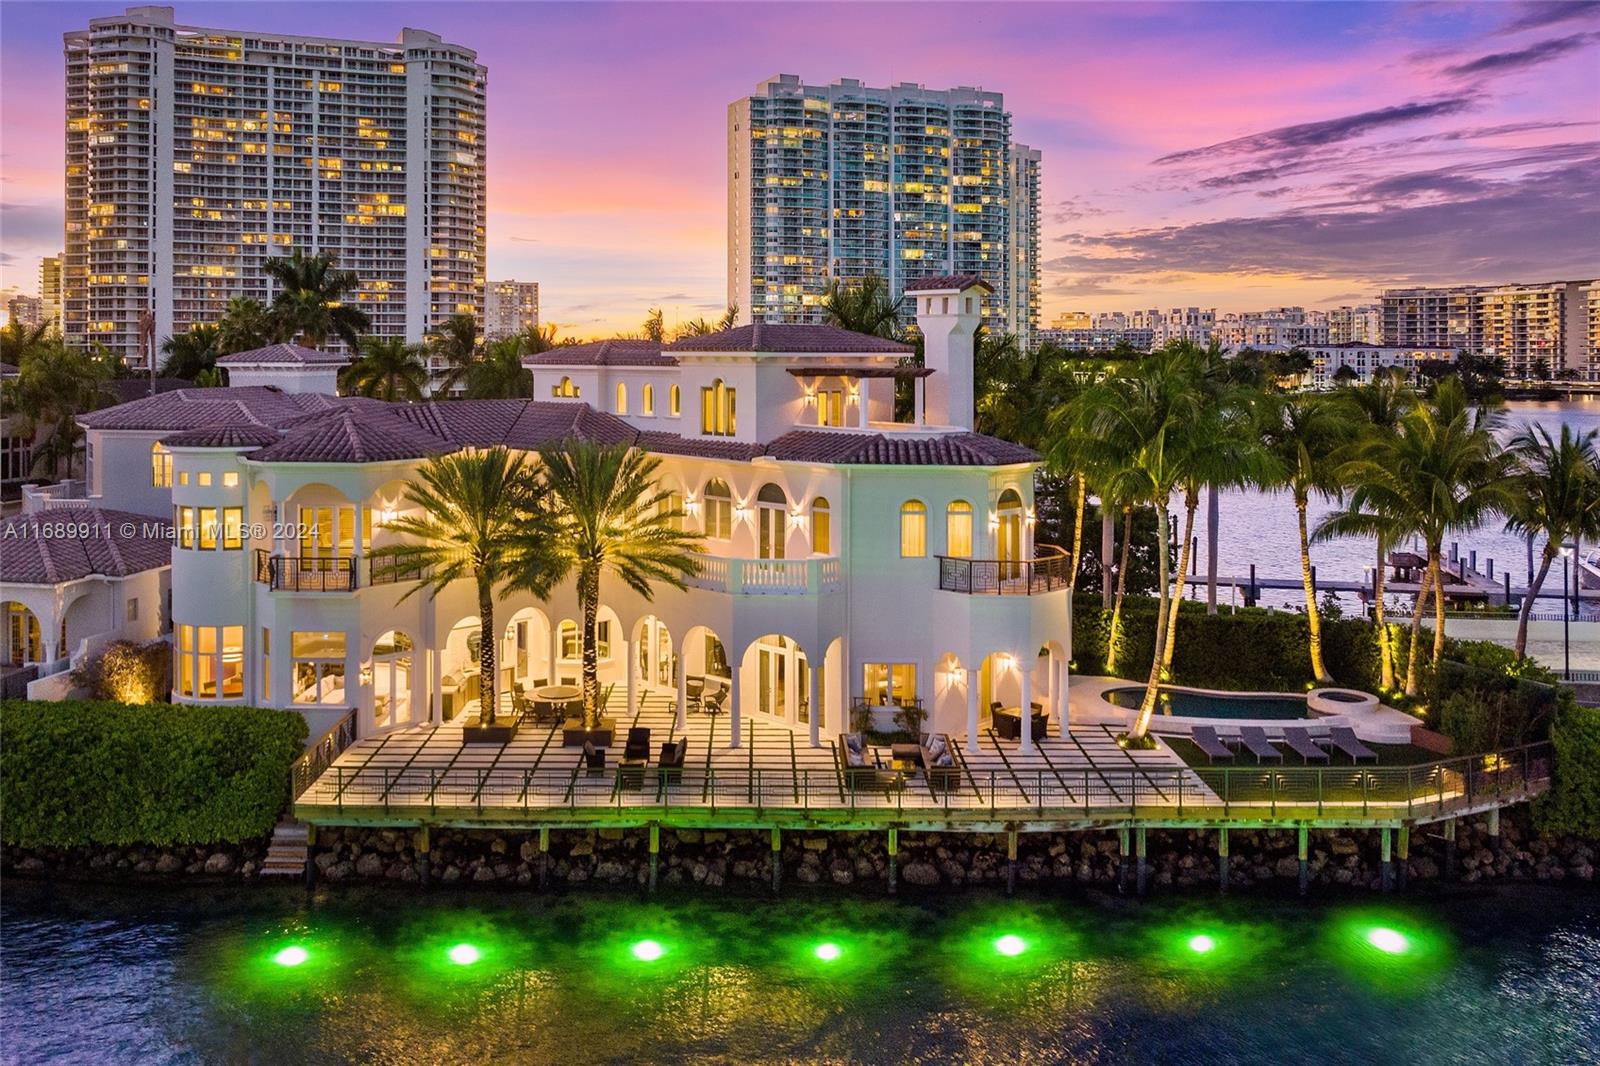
1344,738
672,755
1206,739
714,700
1303,746
861,772
1255,738
938,762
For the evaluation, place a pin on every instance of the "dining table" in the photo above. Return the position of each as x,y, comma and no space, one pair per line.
563,696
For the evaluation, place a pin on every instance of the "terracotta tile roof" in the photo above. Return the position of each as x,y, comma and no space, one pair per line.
515,423
285,354
40,551
223,437
128,389
615,352
192,408
660,443
878,449
783,338
946,282
352,437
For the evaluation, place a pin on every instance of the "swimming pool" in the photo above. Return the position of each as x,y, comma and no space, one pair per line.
1214,704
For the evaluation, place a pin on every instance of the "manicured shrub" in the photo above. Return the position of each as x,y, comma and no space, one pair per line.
1573,805
128,672
95,772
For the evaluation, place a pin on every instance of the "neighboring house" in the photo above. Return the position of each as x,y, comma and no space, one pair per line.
848,556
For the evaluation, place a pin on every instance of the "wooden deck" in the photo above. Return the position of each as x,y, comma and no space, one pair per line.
427,776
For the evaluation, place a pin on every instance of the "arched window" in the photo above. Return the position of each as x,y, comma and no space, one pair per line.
160,466
647,400
719,509
958,529
674,401
567,640
821,526
1008,531
913,529
622,397
564,389
717,409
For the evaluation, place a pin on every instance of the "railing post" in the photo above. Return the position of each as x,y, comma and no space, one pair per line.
1272,791
1365,777
1320,774
1227,791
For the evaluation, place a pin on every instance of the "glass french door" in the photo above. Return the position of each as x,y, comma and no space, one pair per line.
770,527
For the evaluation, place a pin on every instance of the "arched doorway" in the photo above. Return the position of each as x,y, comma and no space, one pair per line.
781,676
525,651
393,695
655,661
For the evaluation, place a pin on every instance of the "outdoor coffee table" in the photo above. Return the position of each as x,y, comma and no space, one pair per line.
905,757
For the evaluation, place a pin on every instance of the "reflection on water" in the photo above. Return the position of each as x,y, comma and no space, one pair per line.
1260,528
375,976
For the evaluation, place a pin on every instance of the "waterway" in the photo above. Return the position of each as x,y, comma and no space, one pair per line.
158,976
1260,527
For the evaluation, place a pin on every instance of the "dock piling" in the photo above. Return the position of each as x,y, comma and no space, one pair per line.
777,860
1403,855
1222,858
655,855
1385,859
544,855
1122,859
311,855
1011,862
424,846
1141,868
894,861
1449,849
1304,848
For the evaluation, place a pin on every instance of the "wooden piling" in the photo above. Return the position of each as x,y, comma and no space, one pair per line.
894,861
1303,843
424,845
1385,859
777,860
544,855
655,854
1403,855
1222,858
1011,861
1141,869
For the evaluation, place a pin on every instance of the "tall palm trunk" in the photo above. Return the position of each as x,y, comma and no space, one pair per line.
589,594
1108,534
1191,503
1213,518
1152,686
1122,592
488,703
1077,536
1414,651
1385,645
1319,670
1545,559
1438,604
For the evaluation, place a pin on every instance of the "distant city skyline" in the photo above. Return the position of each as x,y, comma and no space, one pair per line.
1207,155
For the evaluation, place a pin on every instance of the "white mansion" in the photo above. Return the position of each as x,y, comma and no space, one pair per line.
849,556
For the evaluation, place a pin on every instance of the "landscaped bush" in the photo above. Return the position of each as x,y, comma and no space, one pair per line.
128,672
1482,709
96,772
1573,805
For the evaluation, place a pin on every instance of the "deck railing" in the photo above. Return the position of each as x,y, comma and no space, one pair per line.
1047,571
1398,792
319,755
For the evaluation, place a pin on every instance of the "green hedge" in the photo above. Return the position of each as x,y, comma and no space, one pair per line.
92,772
1573,805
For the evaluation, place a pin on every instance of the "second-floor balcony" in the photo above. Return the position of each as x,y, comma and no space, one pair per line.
331,573
767,577
1049,570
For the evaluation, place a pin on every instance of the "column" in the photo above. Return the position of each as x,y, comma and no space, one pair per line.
919,401
1064,719
815,705
555,649
972,712
633,677
733,706
436,688
683,693
1025,708
861,402
1057,668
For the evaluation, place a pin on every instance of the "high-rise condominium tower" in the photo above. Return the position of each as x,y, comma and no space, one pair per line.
1537,329
50,288
844,180
510,307
194,154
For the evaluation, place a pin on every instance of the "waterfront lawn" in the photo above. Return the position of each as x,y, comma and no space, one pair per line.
1388,755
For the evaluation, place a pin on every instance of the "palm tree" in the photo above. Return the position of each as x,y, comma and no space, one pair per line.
1135,428
1557,496
1444,470
245,326
477,520
455,343
536,339
1303,434
655,327
863,306
17,341
611,516
310,303
191,352
700,327
389,369
499,374
55,384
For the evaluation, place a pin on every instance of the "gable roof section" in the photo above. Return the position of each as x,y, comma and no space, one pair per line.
192,408
615,352
878,449
787,338
36,553
352,437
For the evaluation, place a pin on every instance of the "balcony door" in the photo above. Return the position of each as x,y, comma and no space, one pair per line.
1008,536
772,511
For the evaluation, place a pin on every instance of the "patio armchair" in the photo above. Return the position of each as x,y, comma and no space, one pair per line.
861,770
714,700
635,754
594,759
938,762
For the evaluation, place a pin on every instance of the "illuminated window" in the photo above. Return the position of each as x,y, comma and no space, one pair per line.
717,410
211,662
830,407
232,528
208,529
674,401
203,479
622,397
160,467
318,667
564,389
230,481
718,509
821,526
647,400
890,684
186,527
266,664
958,530
568,634
913,529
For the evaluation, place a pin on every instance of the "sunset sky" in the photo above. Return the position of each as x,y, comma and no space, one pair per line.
1229,155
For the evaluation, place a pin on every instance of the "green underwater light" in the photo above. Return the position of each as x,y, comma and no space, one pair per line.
1388,941
1011,945
1201,944
293,955
464,954
826,952
647,951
